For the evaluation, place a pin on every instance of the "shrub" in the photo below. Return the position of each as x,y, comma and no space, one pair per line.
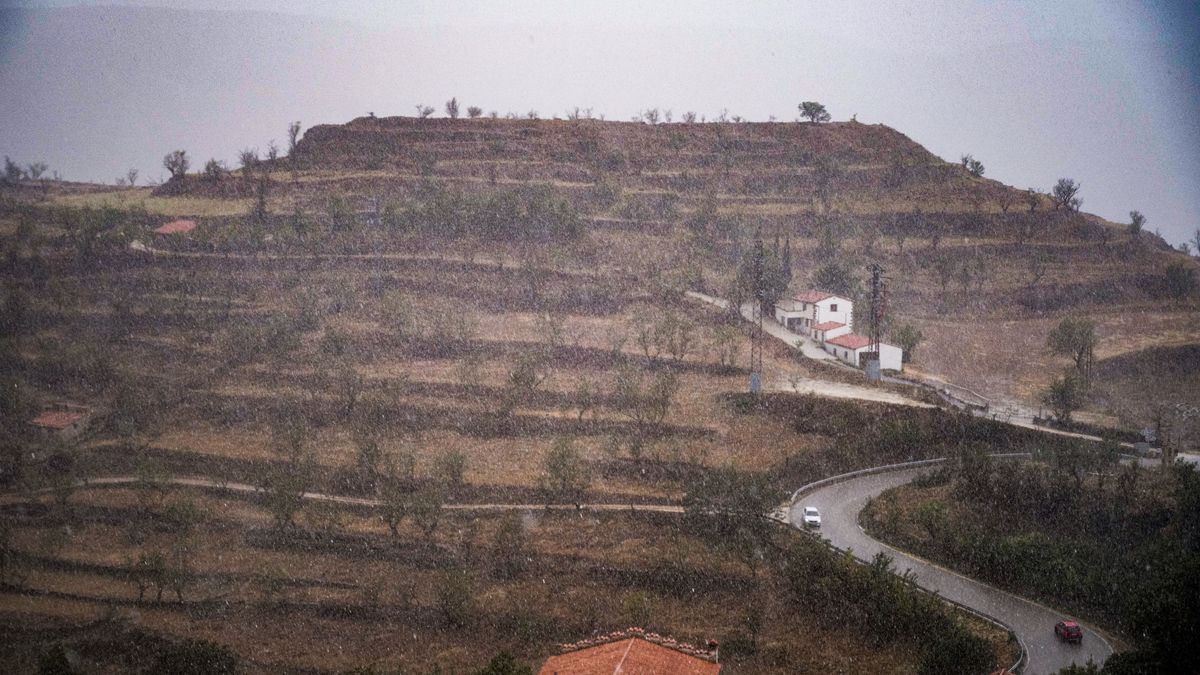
197,657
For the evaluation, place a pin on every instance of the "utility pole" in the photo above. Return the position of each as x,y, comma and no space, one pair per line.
876,321
756,320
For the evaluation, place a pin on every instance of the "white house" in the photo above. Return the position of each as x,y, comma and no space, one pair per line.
853,349
828,330
809,309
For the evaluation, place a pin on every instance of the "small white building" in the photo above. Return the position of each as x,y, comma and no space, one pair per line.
806,310
828,330
853,349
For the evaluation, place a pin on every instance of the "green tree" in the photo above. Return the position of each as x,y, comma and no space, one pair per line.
1064,395
726,344
565,474
972,165
455,590
449,468
907,337
510,547
426,510
505,664
1136,223
1075,338
197,657
814,112
395,503
957,652
835,278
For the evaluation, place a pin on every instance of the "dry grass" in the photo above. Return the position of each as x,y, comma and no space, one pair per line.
123,198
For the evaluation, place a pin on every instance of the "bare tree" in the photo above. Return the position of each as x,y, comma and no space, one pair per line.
474,111
131,177
689,117
248,159
1005,200
176,162
424,111
651,116
1064,195
36,169
452,108
972,165
272,150
293,137
1033,198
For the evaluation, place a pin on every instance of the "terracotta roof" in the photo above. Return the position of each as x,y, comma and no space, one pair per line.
813,296
850,341
631,656
828,325
177,227
56,419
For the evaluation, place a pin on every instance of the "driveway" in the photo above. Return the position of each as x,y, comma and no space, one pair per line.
840,504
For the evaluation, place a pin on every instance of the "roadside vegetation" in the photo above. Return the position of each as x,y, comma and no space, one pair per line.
1110,542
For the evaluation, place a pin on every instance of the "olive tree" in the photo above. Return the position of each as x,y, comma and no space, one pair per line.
814,112
1137,222
564,474
452,108
1064,195
1076,338
972,165
176,162
1064,395
293,137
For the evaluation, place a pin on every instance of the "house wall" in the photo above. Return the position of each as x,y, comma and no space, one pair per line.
843,314
824,335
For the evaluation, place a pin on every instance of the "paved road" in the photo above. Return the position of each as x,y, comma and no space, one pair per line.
840,504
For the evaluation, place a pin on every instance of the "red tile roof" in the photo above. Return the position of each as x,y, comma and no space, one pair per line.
631,656
813,296
850,341
828,325
177,227
56,419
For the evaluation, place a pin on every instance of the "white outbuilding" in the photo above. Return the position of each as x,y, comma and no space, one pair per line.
854,349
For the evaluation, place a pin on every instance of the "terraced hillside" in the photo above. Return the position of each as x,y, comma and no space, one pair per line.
972,262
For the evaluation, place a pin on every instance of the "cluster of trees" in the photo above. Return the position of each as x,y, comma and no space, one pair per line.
532,213
14,173
1074,338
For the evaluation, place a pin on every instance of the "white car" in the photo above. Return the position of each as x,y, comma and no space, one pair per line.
812,517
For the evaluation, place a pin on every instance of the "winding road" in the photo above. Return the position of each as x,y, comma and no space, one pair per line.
1033,623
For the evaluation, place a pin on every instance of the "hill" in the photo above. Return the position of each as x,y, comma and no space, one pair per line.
972,262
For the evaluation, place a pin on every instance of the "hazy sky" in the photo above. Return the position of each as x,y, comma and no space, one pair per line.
1106,93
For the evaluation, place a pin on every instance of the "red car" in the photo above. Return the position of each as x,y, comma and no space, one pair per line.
1068,631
